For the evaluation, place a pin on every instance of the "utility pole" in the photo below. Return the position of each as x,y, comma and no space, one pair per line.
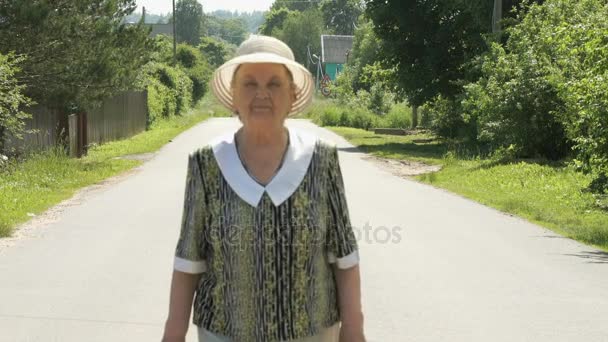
497,16
174,37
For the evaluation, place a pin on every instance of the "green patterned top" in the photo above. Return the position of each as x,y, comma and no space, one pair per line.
265,252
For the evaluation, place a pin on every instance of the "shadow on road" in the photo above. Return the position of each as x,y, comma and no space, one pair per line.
595,257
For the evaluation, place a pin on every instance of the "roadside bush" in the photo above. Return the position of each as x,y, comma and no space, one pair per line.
330,116
445,118
169,90
11,100
162,101
196,67
546,90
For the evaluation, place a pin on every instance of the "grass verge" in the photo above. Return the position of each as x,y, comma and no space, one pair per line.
43,179
548,194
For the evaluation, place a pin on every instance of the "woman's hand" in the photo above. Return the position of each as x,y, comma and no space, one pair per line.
351,333
174,339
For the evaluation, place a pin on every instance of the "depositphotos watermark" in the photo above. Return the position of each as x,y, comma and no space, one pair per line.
300,235
379,235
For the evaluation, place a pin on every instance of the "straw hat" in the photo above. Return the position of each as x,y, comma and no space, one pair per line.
264,49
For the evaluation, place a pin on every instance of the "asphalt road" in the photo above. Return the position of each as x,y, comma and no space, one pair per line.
435,266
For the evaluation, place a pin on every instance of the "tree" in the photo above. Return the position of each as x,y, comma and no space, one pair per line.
252,20
301,6
189,15
232,30
76,52
301,31
11,101
214,50
341,15
429,42
275,19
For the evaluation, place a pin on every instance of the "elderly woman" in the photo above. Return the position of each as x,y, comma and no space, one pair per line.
266,250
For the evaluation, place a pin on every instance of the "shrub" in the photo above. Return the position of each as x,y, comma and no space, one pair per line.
169,90
399,116
11,100
445,118
196,67
215,51
360,118
547,89
330,116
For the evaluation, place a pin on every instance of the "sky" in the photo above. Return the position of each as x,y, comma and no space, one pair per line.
164,6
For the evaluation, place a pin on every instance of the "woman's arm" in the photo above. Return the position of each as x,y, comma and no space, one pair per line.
348,282
183,286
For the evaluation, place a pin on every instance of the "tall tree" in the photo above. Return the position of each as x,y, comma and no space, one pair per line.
341,16
232,30
214,50
275,18
301,31
75,52
301,5
189,15
429,41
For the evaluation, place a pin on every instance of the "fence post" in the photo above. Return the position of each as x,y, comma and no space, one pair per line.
78,134
146,109
83,139
73,132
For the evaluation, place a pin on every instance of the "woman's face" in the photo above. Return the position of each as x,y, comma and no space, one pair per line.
263,93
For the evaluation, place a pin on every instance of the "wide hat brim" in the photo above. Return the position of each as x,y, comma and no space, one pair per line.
221,83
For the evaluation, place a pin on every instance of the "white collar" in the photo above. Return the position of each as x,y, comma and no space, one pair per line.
285,181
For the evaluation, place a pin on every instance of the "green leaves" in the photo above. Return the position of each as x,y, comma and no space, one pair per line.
11,100
429,41
546,91
76,51
189,15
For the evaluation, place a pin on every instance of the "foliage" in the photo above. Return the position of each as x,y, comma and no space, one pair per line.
252,20
301,30
78,52
429,41
12,101
161,49
215,51
445,117
332,113
546,90
399,116
573,36
197,69
341,16
274,19
301,5
189,15
365,67
232,30
170,90
514,103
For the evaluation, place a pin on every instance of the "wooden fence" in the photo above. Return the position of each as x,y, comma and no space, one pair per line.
47,125
119,117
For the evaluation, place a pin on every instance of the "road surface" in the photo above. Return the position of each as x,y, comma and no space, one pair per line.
435,266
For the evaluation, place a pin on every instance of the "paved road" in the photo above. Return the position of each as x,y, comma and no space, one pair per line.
451,270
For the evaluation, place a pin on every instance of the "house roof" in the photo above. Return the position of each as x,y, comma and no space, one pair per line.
334,48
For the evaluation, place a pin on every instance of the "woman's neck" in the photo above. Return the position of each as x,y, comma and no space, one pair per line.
263,138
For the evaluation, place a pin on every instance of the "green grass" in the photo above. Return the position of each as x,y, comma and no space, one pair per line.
548,194
419,147
47,178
